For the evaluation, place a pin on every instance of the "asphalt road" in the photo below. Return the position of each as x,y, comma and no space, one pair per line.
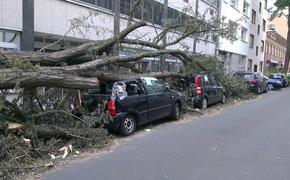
250,141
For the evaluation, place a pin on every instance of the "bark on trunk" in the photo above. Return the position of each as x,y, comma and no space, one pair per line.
287,57
10,78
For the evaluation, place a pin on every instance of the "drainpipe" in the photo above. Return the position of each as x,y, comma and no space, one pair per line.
196,15
116,24
27,34
164,18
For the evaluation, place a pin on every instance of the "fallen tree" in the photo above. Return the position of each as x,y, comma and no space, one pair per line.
41,118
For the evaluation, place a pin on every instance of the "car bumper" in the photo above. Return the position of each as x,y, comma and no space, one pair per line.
197,100
252,88
278,86
116,122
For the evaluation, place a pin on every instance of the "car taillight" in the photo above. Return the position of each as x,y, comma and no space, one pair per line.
253,82
198,85
112,108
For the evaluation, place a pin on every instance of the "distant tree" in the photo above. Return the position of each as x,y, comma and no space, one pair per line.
283,7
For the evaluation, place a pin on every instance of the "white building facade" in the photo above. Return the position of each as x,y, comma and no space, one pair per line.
30,25
247,52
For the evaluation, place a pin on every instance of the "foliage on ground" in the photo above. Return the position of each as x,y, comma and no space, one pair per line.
35,138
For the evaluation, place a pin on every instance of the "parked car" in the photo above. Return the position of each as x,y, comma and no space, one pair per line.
273,84
135,102
280,77
255,82
204,88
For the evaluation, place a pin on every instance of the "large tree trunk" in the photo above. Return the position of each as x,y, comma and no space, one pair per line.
287,57
10,78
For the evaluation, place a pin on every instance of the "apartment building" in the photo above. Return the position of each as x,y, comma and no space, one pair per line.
275,51
246,53
279,24
30,25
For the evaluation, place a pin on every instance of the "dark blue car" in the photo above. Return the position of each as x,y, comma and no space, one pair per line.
273,84
281,78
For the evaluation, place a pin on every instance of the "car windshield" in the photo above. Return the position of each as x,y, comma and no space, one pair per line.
248,76
153,85
277,76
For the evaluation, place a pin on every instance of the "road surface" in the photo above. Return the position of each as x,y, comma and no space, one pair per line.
250,141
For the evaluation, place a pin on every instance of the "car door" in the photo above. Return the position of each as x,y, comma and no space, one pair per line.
217,93
159,99
208,89
262,82
136,102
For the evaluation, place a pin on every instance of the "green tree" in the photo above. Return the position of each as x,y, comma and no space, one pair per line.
283,7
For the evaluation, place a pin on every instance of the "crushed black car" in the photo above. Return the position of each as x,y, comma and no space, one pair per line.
135,102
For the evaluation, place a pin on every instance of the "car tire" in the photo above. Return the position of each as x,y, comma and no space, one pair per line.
266,89
258,90
203,104
223,99
176,111
128,125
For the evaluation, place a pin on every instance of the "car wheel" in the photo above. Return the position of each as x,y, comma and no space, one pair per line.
128,125
204,103
266,90
176,111
223,99
270,87
259,90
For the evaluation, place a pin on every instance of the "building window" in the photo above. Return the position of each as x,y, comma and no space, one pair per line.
234,26
211,12
264,25
242,60
174,16
246,8
257,50
258,29
155,66
138,10
265,4
186,1
235,3
1,36
253,19
250,64
260,7
262,45
267,48
125,7
270,51
9,40
244,34
89,1
157,13
252,39
261,66
147,11
273,51
108,4
255,67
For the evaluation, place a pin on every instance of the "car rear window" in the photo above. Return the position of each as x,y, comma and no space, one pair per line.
249,76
